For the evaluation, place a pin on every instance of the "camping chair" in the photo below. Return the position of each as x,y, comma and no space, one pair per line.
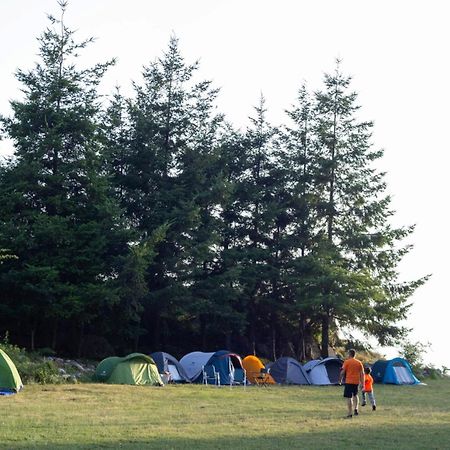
261,379
238,377
210,376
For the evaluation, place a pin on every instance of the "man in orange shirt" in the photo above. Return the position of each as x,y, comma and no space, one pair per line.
353,373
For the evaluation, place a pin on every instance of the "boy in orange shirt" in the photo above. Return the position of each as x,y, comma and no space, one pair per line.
368,389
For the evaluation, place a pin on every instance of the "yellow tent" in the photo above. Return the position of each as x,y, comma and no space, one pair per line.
253,366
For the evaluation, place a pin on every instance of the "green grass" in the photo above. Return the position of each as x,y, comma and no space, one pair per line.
88,416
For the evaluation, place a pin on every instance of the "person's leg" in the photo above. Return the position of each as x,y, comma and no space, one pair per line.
350,406
356,403
363,397
372,400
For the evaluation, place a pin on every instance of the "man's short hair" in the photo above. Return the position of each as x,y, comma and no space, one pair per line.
352,352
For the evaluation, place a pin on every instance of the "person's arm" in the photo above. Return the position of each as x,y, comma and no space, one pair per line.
341,375
361,376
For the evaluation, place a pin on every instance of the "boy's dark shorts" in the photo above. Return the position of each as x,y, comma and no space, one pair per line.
350,390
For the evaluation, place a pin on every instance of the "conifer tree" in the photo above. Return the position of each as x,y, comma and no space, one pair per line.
56,215
357,282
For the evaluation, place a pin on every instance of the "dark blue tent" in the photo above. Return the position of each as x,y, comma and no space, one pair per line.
287,370
224,363
393,371
168,363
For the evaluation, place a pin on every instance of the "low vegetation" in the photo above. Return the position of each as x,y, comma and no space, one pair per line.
192,416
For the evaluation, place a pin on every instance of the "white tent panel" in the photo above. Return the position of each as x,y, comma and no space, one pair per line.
193,362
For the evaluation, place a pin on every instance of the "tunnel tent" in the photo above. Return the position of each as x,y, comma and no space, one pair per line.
288,370
393,371
168,363
134,369
324,371
253,365
10,381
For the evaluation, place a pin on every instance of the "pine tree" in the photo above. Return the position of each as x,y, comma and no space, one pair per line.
167,178
357,283
57,216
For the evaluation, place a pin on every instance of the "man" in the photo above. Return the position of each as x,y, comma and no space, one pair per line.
353,373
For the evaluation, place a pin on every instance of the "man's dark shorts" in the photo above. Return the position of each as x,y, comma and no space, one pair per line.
350,390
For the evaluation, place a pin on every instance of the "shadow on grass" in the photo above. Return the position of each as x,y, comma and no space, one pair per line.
355,436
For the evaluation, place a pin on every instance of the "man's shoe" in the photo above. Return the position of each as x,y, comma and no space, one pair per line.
348,417
363,404
356,413
374,407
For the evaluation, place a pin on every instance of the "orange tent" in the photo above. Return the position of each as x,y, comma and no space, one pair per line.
253,366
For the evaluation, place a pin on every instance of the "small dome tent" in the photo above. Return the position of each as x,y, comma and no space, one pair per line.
10,380
393,371
193,363
323,371
288,370
168,363
134,369
253,365
224,363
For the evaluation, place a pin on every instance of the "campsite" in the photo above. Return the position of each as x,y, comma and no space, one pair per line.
91,416
218,225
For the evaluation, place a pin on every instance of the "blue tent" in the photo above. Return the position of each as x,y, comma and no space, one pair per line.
287,370
224,362
393,371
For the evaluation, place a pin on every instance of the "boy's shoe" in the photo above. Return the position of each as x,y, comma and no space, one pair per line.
374,407
348,417
363,404
356,412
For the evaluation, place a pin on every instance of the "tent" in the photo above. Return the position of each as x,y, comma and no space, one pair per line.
10,380
323,371
223,361
136,368
253,366
288,370
193,363
393,371
168,363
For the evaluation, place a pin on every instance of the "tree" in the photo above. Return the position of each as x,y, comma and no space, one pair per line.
57,216
167,176
360,250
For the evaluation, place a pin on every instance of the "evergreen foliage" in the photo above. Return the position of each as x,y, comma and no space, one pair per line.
151,223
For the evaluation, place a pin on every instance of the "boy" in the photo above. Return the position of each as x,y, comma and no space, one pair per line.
368,389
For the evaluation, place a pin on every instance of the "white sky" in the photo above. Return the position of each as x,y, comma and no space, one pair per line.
397,51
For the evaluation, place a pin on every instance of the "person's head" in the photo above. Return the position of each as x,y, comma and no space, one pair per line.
352,353
367,370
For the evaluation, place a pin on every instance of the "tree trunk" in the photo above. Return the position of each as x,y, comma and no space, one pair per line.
81,339
325,335
54,335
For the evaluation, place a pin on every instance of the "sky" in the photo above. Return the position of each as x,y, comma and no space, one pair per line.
396,51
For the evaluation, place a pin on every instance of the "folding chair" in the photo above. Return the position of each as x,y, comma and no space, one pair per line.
238,377
210,376
261,379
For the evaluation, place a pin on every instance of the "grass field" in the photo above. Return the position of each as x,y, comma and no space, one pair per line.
88,416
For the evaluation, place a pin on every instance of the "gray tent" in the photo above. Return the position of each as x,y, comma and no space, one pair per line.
168,363
288,371
323,371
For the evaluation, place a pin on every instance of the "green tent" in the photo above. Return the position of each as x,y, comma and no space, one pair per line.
136,368
9,377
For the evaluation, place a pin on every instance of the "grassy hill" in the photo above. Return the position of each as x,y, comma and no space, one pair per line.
89,416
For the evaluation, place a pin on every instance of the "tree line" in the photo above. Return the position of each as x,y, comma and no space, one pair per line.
149,222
